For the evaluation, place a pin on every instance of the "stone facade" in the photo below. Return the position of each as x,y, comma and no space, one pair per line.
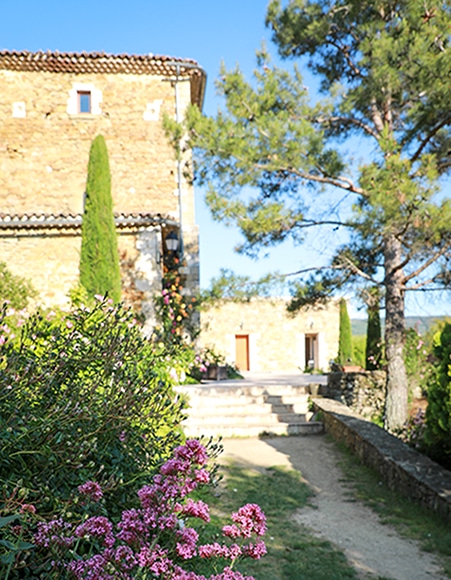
260,336
44,149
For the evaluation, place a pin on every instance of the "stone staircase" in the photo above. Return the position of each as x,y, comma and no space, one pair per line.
248,410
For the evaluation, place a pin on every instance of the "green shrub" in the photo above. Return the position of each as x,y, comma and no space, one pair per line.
99,258
438,413
83,396
416,358
14,290
373,353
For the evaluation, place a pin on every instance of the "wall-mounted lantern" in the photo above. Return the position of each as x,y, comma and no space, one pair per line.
172,242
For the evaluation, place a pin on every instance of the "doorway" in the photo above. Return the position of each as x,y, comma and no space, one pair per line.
311,351
242,352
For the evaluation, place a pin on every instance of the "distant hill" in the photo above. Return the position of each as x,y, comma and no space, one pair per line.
421,323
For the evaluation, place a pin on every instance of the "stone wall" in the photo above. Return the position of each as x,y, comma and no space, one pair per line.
277,340
364,392
401,467
44,151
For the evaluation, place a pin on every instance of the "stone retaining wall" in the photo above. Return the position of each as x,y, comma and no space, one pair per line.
401,467
363,392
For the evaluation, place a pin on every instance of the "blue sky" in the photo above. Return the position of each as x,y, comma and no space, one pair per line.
209,31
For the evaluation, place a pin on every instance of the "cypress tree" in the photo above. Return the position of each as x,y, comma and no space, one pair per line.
99,258
345,337
373,331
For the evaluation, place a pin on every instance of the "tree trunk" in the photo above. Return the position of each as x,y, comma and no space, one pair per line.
397,385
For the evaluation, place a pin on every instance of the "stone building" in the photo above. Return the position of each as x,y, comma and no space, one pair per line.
260,336
52,106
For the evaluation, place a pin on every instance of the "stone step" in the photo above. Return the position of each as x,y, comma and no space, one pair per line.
245,390
247,419
247,410
310,428
244,410
239,401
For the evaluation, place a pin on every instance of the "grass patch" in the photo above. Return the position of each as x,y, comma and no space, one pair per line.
293,552
407,517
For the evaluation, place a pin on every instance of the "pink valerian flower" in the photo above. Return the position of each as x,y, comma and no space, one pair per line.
186,544
55,532
231,531
155,559
133,545
92,490
202,476
132,527
217,550
235,551
94,568
193,451
124,556
249,519
214,550
229,574
99,527
195,509
255,551
179,574
174,466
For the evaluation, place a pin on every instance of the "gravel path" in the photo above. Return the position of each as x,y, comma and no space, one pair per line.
374,549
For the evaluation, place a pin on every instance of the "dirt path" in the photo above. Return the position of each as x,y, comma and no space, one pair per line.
374,549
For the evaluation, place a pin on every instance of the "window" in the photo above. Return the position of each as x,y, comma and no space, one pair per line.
84,101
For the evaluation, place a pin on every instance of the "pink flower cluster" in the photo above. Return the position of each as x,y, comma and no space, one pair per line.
91,490
155,538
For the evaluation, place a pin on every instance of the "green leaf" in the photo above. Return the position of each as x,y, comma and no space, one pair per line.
7,558
6,520
25,546
8,545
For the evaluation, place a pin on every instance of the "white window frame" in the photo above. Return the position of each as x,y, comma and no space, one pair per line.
73,102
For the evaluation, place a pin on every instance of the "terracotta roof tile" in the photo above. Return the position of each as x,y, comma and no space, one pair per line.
101,62
39,221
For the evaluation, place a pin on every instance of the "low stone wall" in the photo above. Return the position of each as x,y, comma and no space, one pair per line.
401,467
363,392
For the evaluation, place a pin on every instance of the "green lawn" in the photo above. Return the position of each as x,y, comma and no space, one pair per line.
293,552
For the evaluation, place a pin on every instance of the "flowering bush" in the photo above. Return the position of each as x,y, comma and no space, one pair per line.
158,539
416,357
83,396
413,431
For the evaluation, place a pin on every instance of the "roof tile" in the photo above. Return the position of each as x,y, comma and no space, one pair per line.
101,62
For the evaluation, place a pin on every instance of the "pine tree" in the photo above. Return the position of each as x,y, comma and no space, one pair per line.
373,331
99,259
345,337
273,156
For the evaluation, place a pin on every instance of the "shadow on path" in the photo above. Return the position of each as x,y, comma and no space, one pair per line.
374,549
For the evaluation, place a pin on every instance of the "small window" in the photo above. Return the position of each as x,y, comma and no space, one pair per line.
84,101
